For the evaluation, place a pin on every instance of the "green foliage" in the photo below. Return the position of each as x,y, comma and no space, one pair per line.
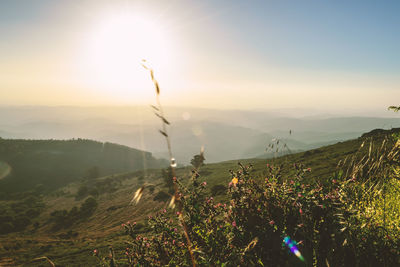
162,196
97,187
16,215
394,108
141,180
88,207
250,228
83,191
218,189
151,188
197,161
167,176
367,235
65,218
55,163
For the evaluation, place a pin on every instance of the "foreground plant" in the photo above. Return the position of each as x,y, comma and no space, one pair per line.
176,200
269,222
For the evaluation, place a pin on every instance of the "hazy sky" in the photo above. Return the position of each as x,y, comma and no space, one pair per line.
224,54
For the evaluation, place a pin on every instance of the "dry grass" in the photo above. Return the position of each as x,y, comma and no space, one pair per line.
175,201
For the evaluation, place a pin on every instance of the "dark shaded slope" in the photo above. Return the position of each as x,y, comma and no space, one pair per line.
54,163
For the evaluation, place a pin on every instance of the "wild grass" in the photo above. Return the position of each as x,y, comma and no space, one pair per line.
176,198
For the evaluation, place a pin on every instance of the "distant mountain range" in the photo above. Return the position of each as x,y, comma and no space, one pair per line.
225,134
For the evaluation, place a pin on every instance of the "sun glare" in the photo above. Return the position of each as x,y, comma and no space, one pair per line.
115,49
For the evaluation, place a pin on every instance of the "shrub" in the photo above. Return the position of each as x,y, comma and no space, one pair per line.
161,196
94,192
6,227
88,207
83,191
64,218
21,222
218,189
32,213
167,176
251,227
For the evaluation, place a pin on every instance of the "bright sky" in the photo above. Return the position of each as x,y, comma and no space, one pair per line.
223,54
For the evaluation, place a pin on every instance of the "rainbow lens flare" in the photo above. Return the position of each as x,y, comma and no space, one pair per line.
291,244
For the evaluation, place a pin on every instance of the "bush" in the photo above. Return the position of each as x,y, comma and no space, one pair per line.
161,196
167,177
64,218
6,227
260,215
32,213
21,222
17,215
218,189
83,191
88,207
94,192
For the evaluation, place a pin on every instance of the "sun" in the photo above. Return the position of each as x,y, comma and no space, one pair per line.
114,49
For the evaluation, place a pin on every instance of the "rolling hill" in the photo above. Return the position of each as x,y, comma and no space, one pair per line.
72,244
55,163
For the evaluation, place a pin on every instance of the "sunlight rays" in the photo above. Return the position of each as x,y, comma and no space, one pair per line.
114,49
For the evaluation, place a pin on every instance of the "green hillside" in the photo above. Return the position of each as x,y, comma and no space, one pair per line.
49,164
73,243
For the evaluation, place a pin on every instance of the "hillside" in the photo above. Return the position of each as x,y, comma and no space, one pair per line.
72,244
50,164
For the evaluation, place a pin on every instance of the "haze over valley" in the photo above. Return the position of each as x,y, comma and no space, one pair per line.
225,134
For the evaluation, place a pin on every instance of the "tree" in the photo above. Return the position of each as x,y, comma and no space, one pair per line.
83,191
197,161
88,207
167,176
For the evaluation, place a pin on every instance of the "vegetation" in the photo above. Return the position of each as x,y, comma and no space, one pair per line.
167,176
373,235
64,218
19,211
95,187
250,228
394,108
197,161
55,163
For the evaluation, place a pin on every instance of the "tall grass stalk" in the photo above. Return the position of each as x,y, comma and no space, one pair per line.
159,112
44,258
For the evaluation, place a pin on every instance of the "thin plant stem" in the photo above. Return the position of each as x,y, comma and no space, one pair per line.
164,132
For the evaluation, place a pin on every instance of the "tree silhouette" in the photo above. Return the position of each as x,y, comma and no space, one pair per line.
197,161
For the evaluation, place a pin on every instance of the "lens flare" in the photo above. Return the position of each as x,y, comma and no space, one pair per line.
291,244
173,163
5,169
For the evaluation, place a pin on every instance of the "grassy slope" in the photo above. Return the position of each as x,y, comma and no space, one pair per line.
104,227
